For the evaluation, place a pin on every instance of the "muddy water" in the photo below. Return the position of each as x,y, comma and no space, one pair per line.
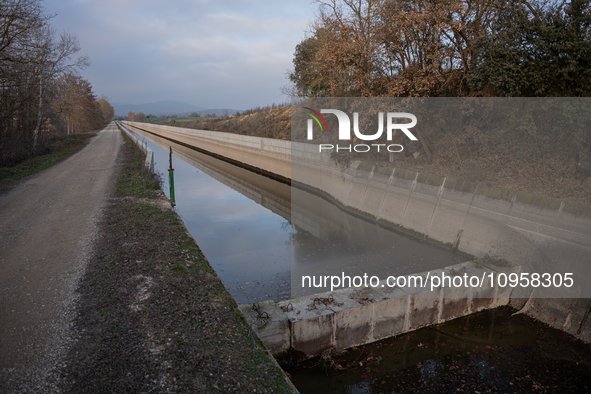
490,351
261,246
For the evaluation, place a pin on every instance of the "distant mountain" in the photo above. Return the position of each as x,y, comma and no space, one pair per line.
159,108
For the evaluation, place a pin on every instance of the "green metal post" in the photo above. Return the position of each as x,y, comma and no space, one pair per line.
171,179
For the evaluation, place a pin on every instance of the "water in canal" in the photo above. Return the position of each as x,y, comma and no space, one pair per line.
243,223
488,352
258,243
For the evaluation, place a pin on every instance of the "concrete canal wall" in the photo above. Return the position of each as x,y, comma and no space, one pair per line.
268,156
353,317
149,163
536,233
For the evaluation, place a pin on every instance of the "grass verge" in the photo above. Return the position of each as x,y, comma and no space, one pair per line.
64,148
153,315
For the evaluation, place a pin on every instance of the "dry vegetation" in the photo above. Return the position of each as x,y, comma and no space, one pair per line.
270,122
505,161
463,48
55,148
508,160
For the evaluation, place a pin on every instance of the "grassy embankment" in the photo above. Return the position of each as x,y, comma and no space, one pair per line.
61,150
269,122
511,160
154,316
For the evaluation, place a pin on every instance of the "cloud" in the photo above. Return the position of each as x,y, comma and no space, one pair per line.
149,50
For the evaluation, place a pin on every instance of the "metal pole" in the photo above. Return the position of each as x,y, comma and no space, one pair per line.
171,179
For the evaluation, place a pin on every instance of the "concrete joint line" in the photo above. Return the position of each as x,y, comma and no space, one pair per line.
562,204
439,194
470,299
469,208
406,326
567,322
513,199
497,301
379,216
333,320
458,239
412,189
372,324
527,305
367,185
440,306
584,319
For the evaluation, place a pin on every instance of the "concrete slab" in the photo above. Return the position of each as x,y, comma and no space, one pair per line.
272,328
355,316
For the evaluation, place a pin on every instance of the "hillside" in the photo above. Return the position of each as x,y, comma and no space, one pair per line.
268,122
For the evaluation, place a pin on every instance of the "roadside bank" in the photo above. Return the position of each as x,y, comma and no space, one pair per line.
59,151
153,315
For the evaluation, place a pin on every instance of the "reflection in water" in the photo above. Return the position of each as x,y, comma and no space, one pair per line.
246,243
260,245
330,242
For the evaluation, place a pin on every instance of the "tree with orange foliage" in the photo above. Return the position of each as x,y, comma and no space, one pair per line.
369,48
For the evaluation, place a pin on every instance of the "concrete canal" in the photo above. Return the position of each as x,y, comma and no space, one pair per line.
261,236
243,223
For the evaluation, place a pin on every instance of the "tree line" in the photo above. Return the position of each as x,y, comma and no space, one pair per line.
459,48
41,93
445,48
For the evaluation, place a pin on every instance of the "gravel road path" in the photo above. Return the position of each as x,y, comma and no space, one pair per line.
47,225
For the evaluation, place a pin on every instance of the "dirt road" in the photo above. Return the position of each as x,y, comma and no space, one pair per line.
47,225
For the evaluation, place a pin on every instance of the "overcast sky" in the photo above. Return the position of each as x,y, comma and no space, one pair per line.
214,54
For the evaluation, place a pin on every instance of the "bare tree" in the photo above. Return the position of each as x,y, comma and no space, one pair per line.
18,19
107,109
56,58
75,102
392,47
140,117
32,56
